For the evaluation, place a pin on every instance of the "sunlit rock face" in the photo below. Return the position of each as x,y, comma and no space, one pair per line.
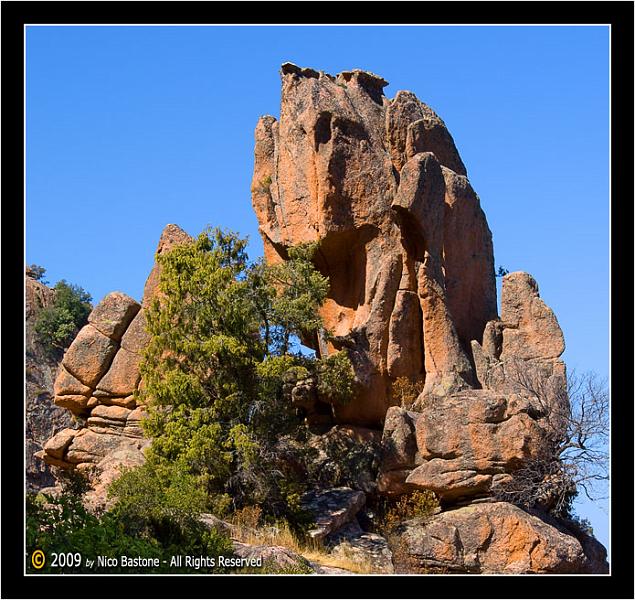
380,184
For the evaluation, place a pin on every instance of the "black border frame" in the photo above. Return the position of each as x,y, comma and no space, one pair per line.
620,15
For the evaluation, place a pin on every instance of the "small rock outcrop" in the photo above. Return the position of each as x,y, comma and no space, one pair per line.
353,543
96,382
43,418
332,509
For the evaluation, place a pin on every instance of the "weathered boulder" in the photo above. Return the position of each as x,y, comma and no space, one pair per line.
89,446
97,382
75,403
531,330
123,376
491,538
66,384
104,418
519,352
89,356
353,543
136,337
466,439
332,509
399,442
58,444
113,314
379,184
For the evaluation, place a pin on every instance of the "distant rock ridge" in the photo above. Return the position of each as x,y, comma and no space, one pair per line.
43,418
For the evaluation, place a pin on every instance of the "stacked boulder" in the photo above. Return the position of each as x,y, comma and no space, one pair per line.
97,381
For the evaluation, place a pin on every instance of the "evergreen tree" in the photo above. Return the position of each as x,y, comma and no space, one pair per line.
221,342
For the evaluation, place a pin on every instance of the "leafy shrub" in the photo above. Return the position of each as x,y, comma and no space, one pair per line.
37,272
57,325
214,369
336,378
63,525
501,272
155,516
161,502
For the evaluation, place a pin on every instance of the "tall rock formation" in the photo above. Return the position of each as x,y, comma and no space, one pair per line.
380,185
43,418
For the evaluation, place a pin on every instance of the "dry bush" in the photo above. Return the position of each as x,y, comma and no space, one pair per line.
574,413
247,517
406,391
280,534
420,504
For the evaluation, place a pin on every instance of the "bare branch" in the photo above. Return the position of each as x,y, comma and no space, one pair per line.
574,415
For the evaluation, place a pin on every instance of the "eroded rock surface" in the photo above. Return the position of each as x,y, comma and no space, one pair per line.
492,538
379,183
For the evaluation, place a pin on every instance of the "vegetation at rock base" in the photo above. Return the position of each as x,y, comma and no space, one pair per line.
250,528
392,512
420,504
57,325
163,526
222,338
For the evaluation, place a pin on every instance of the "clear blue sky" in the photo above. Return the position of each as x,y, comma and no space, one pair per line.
131,128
